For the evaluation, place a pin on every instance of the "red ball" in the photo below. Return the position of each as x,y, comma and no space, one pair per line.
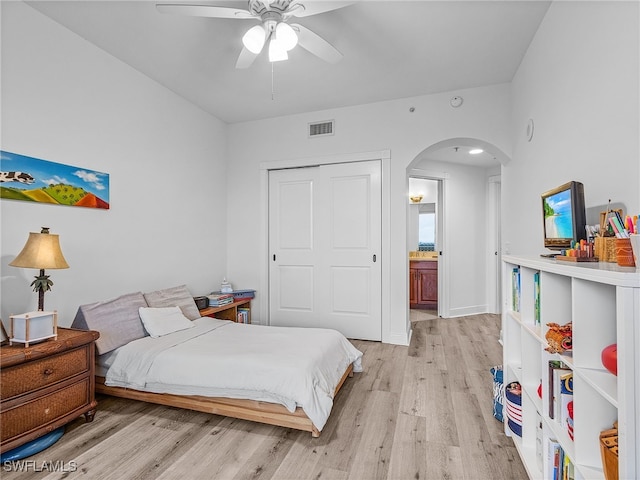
540,390
610,358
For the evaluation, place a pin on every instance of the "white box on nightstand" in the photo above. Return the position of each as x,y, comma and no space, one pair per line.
33,327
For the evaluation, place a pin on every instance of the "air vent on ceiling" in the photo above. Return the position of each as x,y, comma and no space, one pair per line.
319,129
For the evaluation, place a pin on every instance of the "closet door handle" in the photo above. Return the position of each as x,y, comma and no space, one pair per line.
374,258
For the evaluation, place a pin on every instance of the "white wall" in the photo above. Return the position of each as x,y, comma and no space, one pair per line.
579,83
373,127
67,101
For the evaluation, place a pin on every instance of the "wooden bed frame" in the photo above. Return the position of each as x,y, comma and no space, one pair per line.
264,412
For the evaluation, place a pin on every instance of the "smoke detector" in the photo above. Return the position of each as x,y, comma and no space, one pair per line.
456,101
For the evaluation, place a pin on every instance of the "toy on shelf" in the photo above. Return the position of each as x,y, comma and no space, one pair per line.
609,451
610,358
570,419
559,337
582,251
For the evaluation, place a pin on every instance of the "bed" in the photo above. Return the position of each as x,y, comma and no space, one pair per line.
275,375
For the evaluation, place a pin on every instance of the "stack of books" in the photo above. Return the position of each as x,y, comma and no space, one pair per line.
220,299
560,466
560,391
243,315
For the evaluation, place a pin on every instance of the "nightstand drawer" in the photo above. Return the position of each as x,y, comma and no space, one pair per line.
31,376
41,411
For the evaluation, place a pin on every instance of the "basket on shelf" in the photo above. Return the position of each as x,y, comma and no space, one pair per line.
498,392
513,394
609,451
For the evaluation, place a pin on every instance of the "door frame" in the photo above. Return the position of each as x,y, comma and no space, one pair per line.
494,251
263,240
441,233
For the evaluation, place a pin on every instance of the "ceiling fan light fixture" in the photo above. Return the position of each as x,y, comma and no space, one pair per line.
254,39
277,52
286,35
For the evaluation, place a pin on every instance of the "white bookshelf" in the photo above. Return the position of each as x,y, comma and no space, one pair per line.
603,302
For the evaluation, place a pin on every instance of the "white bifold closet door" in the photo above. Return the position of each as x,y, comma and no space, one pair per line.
324,243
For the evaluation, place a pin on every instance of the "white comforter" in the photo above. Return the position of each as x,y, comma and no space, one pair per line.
219,358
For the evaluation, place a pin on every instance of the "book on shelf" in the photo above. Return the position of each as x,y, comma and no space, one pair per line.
536,298
515,289
243,315
568,472
556,370
559,464
566,396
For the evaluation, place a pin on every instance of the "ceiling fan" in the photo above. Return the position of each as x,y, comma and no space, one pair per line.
274,29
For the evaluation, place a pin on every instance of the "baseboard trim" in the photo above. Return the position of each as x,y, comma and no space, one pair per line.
464,311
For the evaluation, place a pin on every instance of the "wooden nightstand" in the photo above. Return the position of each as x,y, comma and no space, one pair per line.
46,385
229,311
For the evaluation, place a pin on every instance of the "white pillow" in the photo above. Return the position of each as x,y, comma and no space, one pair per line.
162,321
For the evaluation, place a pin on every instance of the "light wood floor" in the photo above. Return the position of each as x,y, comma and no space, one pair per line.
417,412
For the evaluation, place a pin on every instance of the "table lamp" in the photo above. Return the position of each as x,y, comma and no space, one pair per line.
41,251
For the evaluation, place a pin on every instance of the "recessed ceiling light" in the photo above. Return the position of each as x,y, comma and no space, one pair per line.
475,151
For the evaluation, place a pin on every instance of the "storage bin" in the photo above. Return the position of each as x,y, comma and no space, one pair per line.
33,327
498,392
624,253
609,451
513,395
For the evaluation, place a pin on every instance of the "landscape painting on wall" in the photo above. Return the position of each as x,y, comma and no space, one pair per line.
34,180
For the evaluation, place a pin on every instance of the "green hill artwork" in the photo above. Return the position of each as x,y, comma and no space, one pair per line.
34,180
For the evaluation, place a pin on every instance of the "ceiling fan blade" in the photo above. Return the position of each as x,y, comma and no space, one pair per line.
204,11
246,58
316,44
309,7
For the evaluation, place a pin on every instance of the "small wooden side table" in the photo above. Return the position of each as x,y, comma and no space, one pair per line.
46,385
228,311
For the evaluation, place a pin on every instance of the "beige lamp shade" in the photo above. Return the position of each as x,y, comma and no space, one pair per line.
42,251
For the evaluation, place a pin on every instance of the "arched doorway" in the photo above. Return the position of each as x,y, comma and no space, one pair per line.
468,222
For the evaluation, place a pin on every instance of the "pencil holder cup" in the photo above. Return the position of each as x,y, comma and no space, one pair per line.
624,253
605,249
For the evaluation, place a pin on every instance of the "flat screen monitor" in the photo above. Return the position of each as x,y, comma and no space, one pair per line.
564,216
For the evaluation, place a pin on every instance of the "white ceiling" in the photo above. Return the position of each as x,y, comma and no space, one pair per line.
392,49
461,155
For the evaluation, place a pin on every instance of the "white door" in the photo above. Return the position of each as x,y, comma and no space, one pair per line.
324,243
494,277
